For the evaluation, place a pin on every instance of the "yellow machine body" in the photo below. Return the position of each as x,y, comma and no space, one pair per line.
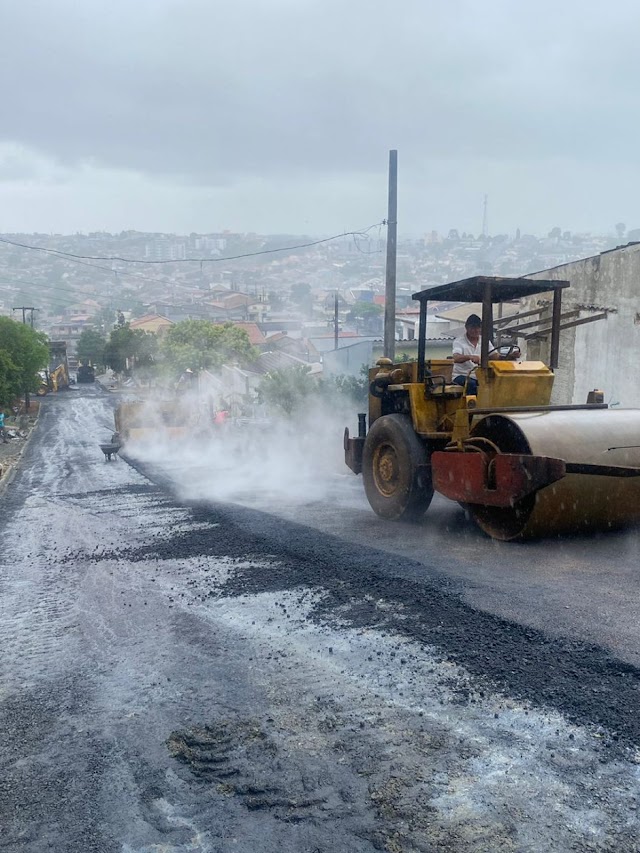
56,380
59,378
145,420
433,406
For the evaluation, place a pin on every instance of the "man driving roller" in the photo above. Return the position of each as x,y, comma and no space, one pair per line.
466,354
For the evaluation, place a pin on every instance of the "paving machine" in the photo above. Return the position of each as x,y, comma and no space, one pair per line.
520,466
85,374
145,420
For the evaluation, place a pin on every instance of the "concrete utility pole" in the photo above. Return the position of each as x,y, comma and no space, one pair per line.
390,276
24,309
335,321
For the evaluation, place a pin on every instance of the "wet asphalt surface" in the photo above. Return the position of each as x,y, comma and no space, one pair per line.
181,674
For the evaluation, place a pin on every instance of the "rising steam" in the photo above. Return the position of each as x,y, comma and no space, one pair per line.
296,458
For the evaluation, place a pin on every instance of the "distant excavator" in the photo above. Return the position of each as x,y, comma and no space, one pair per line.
56,377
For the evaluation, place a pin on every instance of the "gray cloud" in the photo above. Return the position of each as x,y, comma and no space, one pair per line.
211,93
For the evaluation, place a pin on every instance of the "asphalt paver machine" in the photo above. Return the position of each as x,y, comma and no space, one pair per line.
520,466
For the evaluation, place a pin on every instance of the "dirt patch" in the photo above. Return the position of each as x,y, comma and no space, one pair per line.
18,429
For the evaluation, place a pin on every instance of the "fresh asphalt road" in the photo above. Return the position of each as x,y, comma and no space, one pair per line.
267,667
586,587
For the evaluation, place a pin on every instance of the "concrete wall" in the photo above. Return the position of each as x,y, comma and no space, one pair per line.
348,360
604,354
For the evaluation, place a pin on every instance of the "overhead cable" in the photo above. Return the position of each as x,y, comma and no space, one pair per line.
80,258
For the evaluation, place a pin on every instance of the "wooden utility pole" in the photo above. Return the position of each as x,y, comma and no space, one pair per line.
336,327
390,276
24,309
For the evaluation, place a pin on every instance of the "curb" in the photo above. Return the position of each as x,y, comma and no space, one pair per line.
6,481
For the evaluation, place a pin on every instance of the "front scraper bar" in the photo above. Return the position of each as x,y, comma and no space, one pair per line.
507,478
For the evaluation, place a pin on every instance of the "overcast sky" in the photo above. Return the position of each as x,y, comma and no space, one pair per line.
277,115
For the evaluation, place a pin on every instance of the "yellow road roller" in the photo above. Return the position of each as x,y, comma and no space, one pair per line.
519,465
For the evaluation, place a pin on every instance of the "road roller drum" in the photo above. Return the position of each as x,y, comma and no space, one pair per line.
602,438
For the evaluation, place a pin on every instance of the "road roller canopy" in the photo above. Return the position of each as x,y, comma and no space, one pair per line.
482,288
490,290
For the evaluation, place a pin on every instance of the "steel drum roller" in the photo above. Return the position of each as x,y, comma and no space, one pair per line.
578,502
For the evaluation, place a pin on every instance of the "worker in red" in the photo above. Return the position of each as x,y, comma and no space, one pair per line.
221,418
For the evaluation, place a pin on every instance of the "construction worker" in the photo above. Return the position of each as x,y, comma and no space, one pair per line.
186,381
466,354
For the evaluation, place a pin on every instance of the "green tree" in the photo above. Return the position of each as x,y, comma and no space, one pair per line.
290,390
366,310
300,295
200,344
105,319
130,348
287,390
90,348
9,379
354,388
23,352
367,316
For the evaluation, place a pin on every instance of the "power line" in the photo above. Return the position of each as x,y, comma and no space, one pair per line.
55,292
369,251
84,263
76,257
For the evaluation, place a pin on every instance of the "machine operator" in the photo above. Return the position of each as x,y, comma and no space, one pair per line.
466,354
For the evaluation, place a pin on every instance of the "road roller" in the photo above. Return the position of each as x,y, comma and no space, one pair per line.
519,465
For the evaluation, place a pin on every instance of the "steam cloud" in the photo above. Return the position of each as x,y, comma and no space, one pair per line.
296,459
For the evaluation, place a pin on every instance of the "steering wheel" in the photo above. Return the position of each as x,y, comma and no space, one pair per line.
511,351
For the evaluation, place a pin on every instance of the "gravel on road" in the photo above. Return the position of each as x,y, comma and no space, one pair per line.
212,678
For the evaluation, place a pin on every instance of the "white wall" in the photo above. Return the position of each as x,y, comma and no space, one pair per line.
604,354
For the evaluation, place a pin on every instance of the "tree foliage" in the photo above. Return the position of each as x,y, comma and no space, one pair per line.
91,347
290,390
128,348
23,352
300,294
354,388
287,390
365,310
200,344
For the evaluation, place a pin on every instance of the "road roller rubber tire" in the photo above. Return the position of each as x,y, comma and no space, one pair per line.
395,470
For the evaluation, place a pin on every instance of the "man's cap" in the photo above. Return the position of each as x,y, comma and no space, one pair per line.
473,320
